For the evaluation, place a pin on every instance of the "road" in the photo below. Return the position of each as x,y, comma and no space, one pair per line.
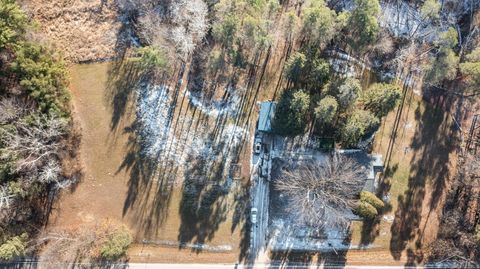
31,265
260,192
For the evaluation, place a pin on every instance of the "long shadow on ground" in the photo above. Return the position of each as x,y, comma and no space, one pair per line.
435,139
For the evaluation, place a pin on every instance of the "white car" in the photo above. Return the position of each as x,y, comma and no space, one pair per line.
258,148
253,215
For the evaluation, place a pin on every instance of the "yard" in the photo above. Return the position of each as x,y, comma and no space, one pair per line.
185,208
183,213
418,146
419,149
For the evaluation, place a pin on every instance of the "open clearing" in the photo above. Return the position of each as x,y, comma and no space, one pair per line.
116,188
419,148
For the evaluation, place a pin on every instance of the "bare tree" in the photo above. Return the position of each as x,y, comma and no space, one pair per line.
69,246
12,109
5,197
34,141
321,192
180,23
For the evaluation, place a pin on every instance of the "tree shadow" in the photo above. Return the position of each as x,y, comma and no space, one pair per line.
435,139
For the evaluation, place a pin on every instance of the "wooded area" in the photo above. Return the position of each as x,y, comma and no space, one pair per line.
335,68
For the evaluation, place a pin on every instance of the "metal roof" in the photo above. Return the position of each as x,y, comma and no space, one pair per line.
267,110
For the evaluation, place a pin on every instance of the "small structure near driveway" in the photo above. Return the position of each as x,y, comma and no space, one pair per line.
267,111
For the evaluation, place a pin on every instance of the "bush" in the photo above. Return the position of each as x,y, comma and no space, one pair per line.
116,245
477,233
13,247
368,197
365,210
151,58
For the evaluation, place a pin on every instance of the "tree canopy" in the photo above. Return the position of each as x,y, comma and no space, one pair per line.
326,110
381,98
291,115
318,23
13,22
363,23
359,124
471,69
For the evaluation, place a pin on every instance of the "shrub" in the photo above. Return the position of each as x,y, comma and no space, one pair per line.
368,197
151,58
365,210
13,247
116,244
477,233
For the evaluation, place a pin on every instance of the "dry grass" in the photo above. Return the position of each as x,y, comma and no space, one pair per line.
156,215
422,160
82,30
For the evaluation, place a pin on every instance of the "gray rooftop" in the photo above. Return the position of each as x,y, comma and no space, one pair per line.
267,110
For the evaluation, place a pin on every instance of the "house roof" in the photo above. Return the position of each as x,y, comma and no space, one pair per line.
371,162
267,110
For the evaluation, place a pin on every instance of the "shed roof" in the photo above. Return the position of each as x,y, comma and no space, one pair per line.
267,110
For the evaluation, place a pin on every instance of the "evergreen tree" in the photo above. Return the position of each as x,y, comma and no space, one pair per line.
363,23
381,98
359,124
291,115
13,22
318,23
471,69
326,110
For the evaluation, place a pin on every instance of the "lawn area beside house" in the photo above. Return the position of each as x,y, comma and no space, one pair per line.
115,186
419,150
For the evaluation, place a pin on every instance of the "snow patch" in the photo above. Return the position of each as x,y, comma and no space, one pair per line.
158,142
229,105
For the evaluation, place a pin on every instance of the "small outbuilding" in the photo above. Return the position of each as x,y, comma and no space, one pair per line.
267,111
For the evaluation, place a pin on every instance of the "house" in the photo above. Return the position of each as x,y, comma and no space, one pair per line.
372,162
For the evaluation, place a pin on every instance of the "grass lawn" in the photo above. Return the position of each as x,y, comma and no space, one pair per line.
117,185
419,149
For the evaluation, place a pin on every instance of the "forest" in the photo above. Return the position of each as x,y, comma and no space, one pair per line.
181,83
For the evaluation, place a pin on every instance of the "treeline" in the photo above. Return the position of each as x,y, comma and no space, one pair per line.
337,106
35,126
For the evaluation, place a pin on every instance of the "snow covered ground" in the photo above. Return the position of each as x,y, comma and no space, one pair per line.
228,105
161,142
